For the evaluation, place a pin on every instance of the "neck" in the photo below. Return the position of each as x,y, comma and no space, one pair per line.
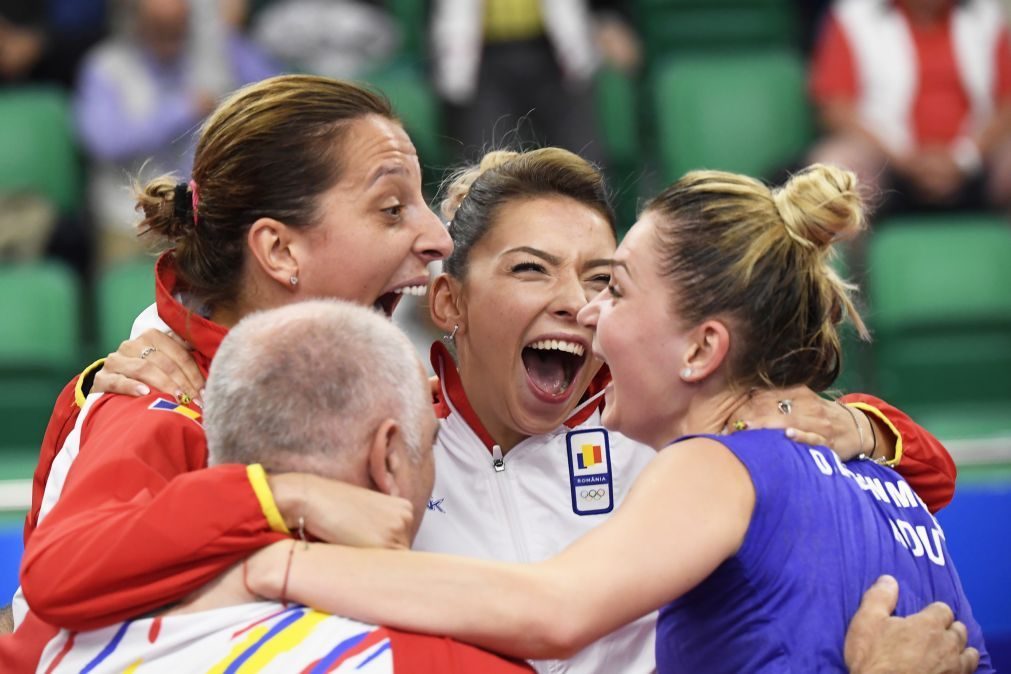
483,403
709,411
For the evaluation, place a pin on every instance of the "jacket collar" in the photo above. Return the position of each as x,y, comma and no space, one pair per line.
451,396
203,335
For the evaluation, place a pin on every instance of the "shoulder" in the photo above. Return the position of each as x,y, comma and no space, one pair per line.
154,419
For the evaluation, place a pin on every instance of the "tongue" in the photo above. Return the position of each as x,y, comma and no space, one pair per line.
546,370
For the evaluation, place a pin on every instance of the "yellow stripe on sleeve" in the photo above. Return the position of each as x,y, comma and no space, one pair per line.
79,395
878,414
258,480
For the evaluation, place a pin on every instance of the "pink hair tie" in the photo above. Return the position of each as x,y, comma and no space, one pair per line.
195,199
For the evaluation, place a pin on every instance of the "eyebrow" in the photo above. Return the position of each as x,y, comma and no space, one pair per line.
619,263
602,262
548,257
388,169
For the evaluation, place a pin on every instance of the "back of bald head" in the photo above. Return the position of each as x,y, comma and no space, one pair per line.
304,387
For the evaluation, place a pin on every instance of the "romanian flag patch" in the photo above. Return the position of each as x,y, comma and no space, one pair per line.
169,406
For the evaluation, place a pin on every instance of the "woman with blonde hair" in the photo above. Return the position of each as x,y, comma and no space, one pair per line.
756,548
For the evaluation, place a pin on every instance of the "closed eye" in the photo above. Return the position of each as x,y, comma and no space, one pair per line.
528,267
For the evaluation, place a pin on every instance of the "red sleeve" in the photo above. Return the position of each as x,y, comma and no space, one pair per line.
141,522
425,654
923,462
833,71
1002,85
61,422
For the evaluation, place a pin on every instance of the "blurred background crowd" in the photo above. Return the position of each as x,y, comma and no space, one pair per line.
913,95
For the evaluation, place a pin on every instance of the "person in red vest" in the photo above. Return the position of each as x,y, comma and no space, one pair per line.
915,97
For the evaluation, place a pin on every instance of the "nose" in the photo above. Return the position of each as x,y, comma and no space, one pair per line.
588,315
570,299
434,242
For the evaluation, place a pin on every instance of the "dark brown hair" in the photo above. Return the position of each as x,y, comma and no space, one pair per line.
734,248
269,150
475,194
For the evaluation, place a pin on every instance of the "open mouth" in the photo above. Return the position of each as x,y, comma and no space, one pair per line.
388,302
552,365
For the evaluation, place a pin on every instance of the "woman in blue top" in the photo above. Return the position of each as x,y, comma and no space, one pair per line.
756,548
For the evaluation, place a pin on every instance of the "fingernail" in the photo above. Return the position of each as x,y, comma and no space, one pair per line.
791,433
198,402
202,394
887,580
142,390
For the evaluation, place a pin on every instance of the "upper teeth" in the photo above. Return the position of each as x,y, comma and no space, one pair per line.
417,291
559,345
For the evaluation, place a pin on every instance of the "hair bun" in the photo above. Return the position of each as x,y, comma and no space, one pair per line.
460,182
820,205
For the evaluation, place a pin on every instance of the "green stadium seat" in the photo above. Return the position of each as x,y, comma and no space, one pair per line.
670,27
39,153
940,290
123,291
39,339
745,112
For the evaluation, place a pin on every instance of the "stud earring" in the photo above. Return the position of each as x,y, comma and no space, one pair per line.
687,373
293,280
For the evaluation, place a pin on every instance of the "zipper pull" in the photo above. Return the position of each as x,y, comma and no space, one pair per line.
498,463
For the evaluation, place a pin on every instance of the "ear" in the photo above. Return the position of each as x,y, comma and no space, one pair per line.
385,457
707,350
274,246
446,303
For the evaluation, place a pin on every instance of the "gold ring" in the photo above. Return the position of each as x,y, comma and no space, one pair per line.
740,425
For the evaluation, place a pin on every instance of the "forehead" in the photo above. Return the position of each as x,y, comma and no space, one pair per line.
553,223
372,144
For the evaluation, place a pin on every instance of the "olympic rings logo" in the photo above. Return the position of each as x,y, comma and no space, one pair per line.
593,494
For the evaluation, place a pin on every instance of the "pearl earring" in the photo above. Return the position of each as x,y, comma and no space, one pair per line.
687,373
293,280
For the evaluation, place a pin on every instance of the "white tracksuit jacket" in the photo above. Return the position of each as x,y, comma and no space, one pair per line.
530,504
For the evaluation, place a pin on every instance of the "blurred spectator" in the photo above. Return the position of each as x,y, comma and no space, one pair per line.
915,96
142,92
343,39
498,62
45,41
26,225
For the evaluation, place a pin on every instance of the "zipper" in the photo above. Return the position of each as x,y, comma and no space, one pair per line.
503,490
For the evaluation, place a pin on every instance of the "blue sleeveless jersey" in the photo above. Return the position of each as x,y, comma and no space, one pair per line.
821,533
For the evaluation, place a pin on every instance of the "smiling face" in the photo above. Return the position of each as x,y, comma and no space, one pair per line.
524,361
375,234
637,334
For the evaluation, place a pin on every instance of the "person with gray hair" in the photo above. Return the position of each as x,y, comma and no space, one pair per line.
366,370
326,388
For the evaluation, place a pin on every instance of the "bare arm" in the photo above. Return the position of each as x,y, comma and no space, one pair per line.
686,514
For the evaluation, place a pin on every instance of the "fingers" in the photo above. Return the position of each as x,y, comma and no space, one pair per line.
813,439
969,661
881,598
180,354
150,371
156,360
110,382
939,614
